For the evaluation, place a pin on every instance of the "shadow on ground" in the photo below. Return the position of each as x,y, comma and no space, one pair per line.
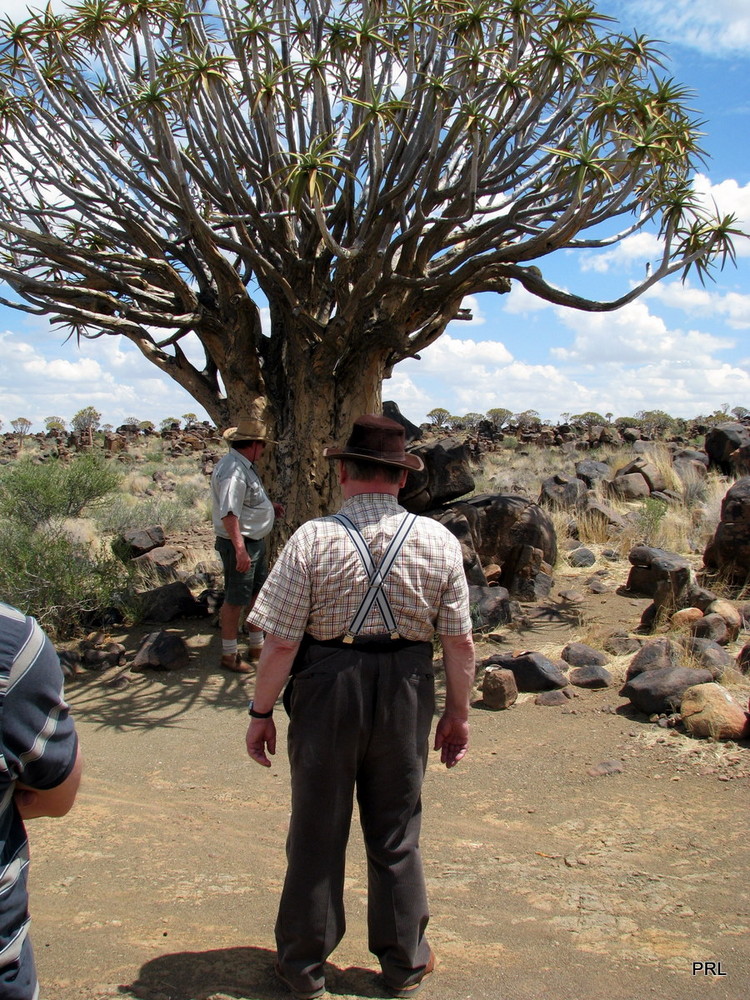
236,973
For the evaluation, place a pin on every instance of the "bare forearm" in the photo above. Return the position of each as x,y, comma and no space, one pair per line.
232,526
274,666
460,672
35,802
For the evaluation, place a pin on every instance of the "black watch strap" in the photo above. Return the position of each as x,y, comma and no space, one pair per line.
258,715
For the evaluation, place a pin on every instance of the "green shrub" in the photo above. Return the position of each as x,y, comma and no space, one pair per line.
47,575
122,515
40,493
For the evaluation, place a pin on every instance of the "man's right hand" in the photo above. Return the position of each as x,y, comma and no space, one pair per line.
242,560
261,736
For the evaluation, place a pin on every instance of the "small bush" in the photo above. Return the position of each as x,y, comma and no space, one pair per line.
37,494
46,574
123,514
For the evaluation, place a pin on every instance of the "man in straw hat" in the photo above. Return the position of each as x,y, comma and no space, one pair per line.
361,705
242,517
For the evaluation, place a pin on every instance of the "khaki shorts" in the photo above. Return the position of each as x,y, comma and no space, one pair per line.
241,588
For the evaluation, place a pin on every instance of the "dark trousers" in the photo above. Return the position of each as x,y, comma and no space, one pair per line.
359,721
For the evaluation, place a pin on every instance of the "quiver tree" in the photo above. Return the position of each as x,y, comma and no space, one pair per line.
170,168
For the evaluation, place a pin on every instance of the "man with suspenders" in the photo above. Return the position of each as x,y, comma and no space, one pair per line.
350,610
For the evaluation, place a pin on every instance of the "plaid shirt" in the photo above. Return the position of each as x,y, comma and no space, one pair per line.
318,581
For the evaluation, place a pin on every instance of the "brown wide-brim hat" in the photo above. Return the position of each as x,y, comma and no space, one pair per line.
380,440
248,429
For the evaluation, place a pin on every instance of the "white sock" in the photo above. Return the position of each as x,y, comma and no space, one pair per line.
228,646
254,639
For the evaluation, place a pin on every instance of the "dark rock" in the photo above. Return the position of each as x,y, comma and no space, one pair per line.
552,698
138,542
712,627
658,654
630,487
644,467
513,533
581,557
593,472
591,676
606,768
533,671
446,476
173,600
490,607
743,659
722,441
578,654
728,553
656,691
621,644
662,575
391,410
162,651
707,654
562,492
160,562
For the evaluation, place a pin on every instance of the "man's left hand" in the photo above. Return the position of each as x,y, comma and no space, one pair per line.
451,739
261,737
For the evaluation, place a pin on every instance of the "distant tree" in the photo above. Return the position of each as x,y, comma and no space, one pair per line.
107,428
622,422
85,422
21,426
439,417
740,412
54,424
131,422
468,422
656,423
146,426
565,418
527,420
190,418
499,416
169,422
171,169
588,419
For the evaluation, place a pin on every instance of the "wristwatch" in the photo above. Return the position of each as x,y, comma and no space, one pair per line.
257,715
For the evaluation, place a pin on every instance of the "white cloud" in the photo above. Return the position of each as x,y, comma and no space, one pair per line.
633,335
41,377
718,28
733,306
633,252
520,302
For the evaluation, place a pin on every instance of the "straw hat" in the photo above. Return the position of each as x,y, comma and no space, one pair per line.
248,429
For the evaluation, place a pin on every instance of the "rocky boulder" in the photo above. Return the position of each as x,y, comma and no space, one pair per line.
724,439
532,671
728,553
499,688
709,710
658,691
446,475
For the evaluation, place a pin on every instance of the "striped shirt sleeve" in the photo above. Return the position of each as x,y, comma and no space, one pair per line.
38,734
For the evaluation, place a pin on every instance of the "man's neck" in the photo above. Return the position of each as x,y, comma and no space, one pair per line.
356,488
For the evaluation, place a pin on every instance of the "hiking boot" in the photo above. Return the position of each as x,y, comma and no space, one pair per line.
235,663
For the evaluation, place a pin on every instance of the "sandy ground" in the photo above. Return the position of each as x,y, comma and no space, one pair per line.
545,881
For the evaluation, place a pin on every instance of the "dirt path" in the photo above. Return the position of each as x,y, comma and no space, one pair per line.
545,882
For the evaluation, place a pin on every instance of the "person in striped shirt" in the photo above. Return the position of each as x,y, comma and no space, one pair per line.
40,771
361,706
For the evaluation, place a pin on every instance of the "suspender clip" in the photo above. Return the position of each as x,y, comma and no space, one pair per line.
395,634
348,638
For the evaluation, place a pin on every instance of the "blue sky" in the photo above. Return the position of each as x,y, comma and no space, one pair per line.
683,348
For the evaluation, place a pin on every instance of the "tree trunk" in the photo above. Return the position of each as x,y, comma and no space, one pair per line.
307,411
